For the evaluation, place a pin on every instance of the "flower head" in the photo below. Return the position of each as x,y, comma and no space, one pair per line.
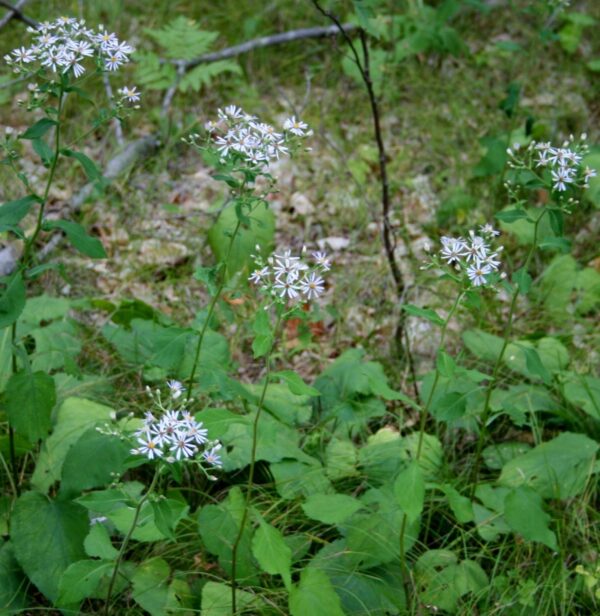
287,277
65,45
472,256
172,435
237,135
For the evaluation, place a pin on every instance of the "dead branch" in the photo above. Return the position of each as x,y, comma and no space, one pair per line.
14,12
265,41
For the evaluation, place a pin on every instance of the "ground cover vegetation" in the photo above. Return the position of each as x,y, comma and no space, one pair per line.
299,307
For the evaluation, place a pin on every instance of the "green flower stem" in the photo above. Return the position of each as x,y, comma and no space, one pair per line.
211,310
40,219
423,421
27,253
493,380
125,543
250,485
436,378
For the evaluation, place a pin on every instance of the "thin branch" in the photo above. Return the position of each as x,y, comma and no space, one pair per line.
170,93
364,69
14,12
264,41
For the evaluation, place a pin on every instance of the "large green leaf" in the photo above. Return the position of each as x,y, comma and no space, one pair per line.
12,301
148,343
275,440
108,454
216,600
260,230
525,515
441,580
314,595
73,417
583,391
47,537
13,212
153,591
409,488
219,525
29,399
56,344
12,582
331,508
378,591
294,479
272,553
82,579
559,468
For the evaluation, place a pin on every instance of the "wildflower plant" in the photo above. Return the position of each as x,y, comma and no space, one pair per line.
242,148
170,433
60,58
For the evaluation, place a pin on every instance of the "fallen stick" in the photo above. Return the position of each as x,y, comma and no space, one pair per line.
264,41
14,12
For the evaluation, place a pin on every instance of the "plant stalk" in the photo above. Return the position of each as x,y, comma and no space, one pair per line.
492,382
126,540
250,483
211,310
27,250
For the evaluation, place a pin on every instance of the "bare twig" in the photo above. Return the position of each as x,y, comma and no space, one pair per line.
170,93
265,41
14,12
364,69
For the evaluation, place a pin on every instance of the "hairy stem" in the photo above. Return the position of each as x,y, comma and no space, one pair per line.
211,310
126,540
27,255
29,244
492,382
252,467
422,423
436,378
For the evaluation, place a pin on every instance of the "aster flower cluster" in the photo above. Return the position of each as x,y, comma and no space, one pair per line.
238,134
286,277
564,163
175,434
65,45
473,255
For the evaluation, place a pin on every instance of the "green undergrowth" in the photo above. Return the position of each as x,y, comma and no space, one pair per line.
355,479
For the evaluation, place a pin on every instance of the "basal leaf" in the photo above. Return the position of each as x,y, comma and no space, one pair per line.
29,399
48,537
272,553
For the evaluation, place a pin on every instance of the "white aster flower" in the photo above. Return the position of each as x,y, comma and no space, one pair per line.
149,446
211,456
453,249
296,127
176,388
113,61
130,94
477,273
489,230
322,260
182,446
312,285
258,275
561,177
